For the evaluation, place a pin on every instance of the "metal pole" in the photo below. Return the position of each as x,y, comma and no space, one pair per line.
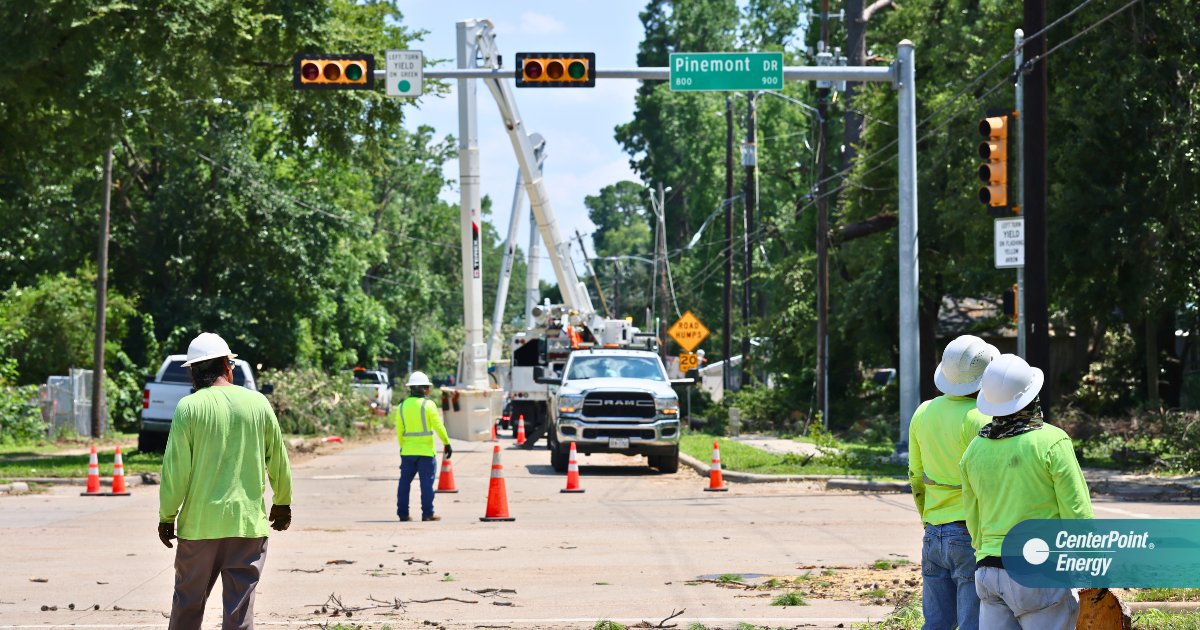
592,270
910,332
750,161
474,358
822,236
661,247
1018,42
662,73
101,301
727,293
532,277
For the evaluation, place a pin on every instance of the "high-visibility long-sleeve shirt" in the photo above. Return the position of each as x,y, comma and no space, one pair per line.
1006,481
224,447
938,435
417,420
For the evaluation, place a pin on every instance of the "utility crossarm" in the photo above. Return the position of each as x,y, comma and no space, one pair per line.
510,246
575,297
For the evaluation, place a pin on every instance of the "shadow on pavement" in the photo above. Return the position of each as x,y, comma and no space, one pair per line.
594,471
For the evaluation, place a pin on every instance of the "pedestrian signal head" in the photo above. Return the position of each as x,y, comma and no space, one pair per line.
313,71
556,70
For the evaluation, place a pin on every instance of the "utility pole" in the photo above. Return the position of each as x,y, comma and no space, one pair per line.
1019,41
727,293
1033,123
533,289
822,386
750,161
592,270
101,301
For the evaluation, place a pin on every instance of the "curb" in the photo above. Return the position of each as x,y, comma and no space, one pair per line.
831,482
136,479
1164,606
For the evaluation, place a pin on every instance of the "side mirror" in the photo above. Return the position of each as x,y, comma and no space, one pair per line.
685,382
267,389
540,378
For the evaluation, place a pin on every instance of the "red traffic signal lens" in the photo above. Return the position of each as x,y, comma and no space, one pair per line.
332,72
533,70
310,71
577,70
555,70
354,72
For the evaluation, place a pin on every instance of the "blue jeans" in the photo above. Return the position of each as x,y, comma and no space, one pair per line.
948,572
411,466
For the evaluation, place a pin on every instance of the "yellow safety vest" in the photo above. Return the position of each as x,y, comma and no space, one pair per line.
417,420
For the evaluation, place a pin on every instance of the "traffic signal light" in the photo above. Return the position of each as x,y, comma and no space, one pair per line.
556,69
314,71
994,153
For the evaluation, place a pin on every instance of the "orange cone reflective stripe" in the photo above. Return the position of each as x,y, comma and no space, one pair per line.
716,481
497,504
573,473
521,429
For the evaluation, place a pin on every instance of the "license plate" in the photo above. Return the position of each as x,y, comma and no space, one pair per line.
618,442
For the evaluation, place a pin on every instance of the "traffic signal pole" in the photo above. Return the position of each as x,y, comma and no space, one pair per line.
1018,42
478,59
1033,164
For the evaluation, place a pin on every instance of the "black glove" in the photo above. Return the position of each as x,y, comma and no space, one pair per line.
281,517
447,452
166,533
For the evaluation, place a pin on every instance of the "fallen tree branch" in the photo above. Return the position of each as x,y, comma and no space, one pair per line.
441,599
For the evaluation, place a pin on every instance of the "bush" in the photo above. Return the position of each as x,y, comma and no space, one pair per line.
308,401
20,418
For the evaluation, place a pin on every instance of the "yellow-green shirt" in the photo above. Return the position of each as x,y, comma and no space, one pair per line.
1031,475
938,435
224,446
417,420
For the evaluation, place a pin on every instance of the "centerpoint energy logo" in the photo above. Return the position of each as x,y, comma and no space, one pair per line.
1104,553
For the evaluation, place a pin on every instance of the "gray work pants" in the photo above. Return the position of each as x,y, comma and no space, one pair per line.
1006,605
198,563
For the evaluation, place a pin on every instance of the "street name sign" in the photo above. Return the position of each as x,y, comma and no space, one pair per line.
1010,243
405,73
726,71
688,332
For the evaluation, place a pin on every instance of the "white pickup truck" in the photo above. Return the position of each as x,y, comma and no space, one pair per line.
375,387
162,393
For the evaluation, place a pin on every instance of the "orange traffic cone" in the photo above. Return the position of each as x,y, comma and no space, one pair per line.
118,484
497,505
446,479
572,473
716,482
521,429
93,478
494,423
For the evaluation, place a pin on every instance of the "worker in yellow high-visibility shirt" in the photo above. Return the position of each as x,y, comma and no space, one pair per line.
417,420
938,435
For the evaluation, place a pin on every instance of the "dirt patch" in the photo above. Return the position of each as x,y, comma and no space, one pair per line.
886,582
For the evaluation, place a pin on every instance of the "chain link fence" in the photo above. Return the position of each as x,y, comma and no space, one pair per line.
66,403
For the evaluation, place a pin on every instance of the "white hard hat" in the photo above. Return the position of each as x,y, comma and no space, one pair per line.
207,346
962,366
418,379
1009,384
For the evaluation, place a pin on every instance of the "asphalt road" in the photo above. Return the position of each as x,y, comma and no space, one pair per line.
630,548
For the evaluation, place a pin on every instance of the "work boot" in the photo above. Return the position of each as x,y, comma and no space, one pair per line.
406,518
434,517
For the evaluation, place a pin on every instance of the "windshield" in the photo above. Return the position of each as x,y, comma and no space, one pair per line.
644,368
362,376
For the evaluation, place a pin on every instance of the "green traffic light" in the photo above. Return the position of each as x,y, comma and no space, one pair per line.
577,70
354,72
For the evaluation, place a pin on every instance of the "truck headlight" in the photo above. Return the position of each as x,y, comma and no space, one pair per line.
569,403
667,406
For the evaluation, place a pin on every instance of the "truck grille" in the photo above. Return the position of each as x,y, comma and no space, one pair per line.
592,434
618,405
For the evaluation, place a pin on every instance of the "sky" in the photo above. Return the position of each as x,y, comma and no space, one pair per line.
582,155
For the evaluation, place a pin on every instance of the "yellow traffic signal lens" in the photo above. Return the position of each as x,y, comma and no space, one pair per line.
993,173
332,72
993,151
555,70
